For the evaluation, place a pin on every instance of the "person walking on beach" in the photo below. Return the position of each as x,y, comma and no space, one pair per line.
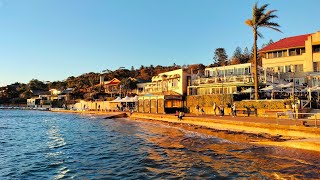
214,108
234,110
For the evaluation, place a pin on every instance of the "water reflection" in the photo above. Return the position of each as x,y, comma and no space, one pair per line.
55,157
186,153
42,145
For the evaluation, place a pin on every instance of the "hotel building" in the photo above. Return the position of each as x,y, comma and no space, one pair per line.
295,57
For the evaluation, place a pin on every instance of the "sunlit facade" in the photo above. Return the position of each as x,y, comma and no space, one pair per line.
295,57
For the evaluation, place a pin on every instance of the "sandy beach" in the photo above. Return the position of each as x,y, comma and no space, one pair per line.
255,130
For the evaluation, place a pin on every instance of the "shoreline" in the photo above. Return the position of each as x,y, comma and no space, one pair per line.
238,129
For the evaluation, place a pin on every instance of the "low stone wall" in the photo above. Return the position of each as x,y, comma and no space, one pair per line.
264,104
206,102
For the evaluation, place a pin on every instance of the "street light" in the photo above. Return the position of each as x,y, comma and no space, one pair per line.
293,89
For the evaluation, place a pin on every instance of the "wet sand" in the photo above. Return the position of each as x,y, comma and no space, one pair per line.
259,131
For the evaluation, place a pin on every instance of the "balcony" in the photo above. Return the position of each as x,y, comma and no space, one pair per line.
234,79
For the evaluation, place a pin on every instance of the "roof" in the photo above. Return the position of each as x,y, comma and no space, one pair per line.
40,92
114,81
288,42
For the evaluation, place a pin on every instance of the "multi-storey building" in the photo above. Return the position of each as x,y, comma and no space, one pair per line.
222,80
296,57
165,92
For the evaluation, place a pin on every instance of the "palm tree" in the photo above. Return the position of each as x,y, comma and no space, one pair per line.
260,19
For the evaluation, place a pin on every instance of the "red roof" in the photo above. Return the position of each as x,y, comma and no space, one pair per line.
294,41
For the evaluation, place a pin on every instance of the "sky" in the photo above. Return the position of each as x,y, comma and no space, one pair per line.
51,40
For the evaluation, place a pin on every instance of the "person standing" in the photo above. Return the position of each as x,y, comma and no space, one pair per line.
221,110
234,110
180,115
214,108
198,109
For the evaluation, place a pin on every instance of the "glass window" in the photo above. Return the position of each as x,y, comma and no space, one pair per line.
298,52
281,69
316,66
279,53
275,54
246,71
303,50
292,52
298,68
316,48
287,68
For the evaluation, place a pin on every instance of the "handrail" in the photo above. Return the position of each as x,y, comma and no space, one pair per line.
295,116
306,104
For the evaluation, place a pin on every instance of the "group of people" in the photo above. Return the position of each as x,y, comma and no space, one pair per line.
220,109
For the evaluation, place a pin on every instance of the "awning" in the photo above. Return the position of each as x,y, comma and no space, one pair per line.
249,90
118,99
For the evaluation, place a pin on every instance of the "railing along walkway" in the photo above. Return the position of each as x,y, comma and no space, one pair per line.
301,121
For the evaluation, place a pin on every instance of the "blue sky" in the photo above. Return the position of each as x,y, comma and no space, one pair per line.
54,39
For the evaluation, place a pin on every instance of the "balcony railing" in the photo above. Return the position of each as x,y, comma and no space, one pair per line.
228,79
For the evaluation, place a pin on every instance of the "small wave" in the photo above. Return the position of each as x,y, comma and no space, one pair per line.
62,173
54,165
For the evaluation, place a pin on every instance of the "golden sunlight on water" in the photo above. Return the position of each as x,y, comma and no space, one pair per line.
188,150
43,145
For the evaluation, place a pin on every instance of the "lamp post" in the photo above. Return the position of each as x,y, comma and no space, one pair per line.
272,84
221,87
293,90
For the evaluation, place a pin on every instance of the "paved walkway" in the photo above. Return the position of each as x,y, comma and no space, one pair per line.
252,119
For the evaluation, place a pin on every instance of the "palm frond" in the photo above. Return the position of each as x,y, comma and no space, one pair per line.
267,16
259,34
270,24
271,27
249,22
262,19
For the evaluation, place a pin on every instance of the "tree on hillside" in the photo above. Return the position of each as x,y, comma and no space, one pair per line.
246,55
237,56
220,57
127,85
260,19
196,68
35,84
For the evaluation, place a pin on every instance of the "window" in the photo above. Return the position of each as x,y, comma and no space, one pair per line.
175,83
285,53
296,51
298,68
292,52
316,66
281,69
275,54
287,68
316,48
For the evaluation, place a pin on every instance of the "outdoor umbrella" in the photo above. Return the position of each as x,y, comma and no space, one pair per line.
249,90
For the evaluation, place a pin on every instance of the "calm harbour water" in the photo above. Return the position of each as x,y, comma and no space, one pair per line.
45,145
